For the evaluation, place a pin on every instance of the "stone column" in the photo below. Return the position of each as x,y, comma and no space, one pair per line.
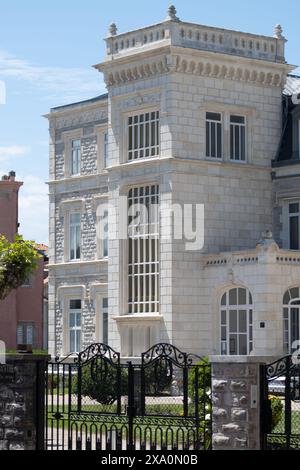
236,402
22,402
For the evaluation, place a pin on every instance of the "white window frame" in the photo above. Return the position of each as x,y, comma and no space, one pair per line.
70,227
64,295
239,127
210,122
226,110
77,152
132,114
67,139
76,329
248,307
139,271
287,322
67,207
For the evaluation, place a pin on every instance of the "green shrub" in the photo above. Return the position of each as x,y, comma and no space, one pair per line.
101,385
204,398
204,385
276,411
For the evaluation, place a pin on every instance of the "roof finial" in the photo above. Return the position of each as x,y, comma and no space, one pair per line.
172,13
113,30
278,32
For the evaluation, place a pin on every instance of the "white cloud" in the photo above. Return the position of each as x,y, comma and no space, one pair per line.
71,82
33,209
12,151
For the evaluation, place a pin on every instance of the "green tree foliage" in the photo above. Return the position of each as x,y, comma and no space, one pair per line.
18,260
99,382
277,411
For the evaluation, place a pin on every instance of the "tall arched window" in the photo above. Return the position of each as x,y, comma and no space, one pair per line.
236,322
291,320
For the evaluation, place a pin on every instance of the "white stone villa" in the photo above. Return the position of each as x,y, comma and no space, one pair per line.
194,115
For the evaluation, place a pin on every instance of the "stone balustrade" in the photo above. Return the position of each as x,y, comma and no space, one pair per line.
199,37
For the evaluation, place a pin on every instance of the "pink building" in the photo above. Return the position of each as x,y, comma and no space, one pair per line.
22,313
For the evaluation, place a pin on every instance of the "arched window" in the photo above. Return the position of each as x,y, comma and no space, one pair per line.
291,320
236,322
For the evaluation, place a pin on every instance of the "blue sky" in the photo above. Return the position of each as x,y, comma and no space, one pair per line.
46,53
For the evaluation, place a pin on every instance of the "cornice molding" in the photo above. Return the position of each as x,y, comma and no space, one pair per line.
203,64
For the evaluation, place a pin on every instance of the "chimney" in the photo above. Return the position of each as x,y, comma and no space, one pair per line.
12,176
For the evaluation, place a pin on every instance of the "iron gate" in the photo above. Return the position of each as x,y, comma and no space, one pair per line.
95,402
281,404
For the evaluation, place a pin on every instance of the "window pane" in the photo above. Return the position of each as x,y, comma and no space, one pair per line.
242,297
213,116
294,325
294,293
233,321
237,119
20,334
233,345
242,321
223,301
242,345
294,233
72,341
233,297
105,328
294,208
223,333
286,298
223,318
75,218
75,304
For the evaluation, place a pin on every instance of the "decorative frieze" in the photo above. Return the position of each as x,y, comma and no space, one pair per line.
81,118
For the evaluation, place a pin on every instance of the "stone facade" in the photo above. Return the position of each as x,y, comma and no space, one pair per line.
184,71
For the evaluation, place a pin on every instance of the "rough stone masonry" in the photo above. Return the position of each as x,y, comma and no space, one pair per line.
21,402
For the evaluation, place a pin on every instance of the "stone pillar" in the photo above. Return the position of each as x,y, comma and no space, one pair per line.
236,402
22,399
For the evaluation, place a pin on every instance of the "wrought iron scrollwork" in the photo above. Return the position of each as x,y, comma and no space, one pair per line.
170,352
165,351
278,368
282,366
98,351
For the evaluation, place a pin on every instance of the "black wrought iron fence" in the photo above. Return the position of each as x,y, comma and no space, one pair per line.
95,402
281,404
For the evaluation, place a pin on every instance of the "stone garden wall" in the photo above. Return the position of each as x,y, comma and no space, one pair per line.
22,402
